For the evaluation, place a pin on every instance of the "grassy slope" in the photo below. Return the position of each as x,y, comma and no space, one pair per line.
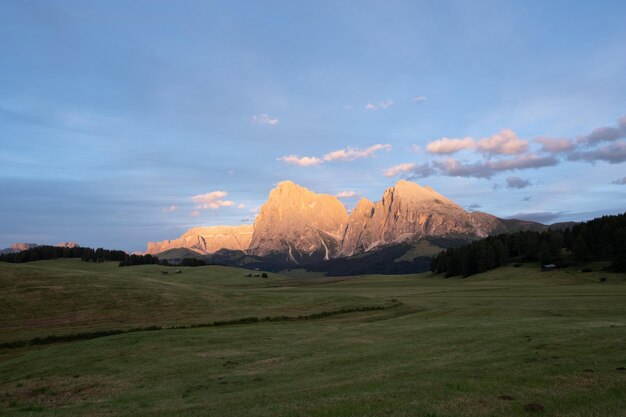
67,296
451,349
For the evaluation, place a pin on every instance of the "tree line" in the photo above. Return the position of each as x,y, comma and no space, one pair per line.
600,239
41,253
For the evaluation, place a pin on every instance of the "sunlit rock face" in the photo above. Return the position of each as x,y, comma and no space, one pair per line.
206,240
408,212
360,217
298,224
19,246
67,245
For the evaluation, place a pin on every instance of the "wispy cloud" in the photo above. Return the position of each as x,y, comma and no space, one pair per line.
350,154
606,133
504,142
264,119
346,154
613,153
195,213
621,181
410,170
346,194
241,206
212,200
417,99
450,145
555,145
302,161
170,209
385,104
486,169
517,182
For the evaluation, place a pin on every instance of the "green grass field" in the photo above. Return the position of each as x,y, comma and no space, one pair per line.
488,345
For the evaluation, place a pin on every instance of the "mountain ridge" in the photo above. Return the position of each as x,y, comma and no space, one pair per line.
298,226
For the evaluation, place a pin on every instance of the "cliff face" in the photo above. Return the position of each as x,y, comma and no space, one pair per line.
408,212
206,240
297,224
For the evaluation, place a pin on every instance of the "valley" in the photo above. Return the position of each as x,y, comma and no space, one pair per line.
488,345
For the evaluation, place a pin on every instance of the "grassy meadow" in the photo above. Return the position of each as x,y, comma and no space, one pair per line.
509,342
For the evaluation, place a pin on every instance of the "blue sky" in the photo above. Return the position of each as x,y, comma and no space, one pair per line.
114,115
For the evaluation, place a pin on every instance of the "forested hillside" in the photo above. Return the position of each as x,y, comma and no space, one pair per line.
601,239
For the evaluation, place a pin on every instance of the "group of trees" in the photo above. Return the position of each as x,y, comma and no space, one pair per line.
601,239
40,253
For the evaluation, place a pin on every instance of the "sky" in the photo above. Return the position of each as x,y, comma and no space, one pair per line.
126,122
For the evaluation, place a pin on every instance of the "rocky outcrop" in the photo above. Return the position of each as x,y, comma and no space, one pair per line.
206,240
298,224
360,217
18,247
408,212
67,245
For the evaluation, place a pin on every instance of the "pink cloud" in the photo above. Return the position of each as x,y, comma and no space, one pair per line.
346,194
304,161
504,142
555,145
350,154
448,146
212,200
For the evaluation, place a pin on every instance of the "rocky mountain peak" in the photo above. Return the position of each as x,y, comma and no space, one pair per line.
414,193
298,222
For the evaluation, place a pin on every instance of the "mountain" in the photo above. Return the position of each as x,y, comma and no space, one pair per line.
206,240
18,247
409,212
298,225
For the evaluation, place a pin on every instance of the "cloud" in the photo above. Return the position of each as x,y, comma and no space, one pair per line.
416,148
614,153
527,198
555,145
409,170
170,209
304,161
448,146
605,134
517,182
241,206
472,207
350,154
346,194
621,181
195,213
504,142
540,217
264,119
487,169
417,99
212,200
380,105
